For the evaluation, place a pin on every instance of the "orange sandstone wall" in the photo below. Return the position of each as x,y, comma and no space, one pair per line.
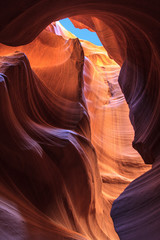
65,136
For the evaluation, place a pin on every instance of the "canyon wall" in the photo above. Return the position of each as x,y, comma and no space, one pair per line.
65,133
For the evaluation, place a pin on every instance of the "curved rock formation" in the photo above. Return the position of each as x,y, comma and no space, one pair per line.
51,184
45,157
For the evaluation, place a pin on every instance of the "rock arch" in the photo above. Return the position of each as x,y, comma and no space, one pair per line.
129,32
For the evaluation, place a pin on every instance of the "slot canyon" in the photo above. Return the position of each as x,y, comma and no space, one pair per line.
79,123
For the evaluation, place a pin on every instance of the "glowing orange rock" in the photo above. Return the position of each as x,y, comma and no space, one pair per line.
50,180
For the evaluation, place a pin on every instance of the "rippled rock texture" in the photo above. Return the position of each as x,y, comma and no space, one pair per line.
65,134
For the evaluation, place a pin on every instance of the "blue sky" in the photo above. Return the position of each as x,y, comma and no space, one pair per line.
81,33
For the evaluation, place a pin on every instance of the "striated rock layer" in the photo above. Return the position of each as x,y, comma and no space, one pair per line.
65,136
47,164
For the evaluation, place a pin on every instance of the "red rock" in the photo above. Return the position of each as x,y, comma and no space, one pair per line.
51,174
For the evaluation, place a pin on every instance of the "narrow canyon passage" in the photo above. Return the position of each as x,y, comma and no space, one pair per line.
67,131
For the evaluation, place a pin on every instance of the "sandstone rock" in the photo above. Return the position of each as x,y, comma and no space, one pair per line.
58,178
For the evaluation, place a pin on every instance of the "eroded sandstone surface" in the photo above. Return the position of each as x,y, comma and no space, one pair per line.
67,126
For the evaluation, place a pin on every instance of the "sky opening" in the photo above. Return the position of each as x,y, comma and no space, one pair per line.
83,34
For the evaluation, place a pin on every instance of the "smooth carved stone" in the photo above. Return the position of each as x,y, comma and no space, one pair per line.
136,211
56,92
47,156
65,135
